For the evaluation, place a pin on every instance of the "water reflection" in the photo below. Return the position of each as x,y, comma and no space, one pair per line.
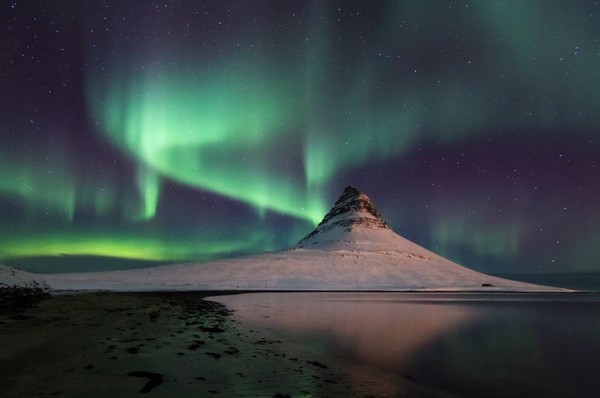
373,336
435,344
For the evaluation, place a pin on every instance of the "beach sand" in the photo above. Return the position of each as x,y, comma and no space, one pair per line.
162,344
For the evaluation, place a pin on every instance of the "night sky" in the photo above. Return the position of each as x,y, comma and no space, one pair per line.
142,132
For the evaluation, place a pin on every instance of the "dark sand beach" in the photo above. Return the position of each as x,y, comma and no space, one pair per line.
162,344
302,345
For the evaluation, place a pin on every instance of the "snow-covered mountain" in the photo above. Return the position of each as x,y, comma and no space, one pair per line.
16,278
353,212
351,249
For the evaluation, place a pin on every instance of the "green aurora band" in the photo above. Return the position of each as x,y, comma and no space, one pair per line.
126,246
224,127
272,118
212,134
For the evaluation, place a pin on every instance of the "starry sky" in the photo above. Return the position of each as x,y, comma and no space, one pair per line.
135,133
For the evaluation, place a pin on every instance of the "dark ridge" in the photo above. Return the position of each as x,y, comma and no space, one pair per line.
351,201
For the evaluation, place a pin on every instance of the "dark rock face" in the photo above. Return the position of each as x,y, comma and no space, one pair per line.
354,201
353,209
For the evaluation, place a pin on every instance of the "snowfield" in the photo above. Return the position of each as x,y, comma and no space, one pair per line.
299,270
351,249
15,278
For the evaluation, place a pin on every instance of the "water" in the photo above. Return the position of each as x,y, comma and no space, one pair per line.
421,344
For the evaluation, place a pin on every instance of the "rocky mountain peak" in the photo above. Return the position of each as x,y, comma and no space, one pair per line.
352,210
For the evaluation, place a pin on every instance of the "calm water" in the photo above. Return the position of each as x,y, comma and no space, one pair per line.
477,345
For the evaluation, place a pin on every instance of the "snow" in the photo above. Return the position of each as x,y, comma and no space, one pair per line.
12,277
351,249
362,259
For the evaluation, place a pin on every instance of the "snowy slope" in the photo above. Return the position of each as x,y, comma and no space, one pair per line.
351,249
297,270
12,277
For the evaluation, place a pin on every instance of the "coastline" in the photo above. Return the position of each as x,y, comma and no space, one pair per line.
99,344
168,344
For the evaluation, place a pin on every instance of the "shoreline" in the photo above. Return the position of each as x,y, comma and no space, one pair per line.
166,343
184,343
220,292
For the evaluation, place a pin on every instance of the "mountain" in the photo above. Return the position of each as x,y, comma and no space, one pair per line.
15,278
353,211
20,289
351,249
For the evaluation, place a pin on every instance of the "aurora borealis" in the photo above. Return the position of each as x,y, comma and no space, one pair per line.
191,130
